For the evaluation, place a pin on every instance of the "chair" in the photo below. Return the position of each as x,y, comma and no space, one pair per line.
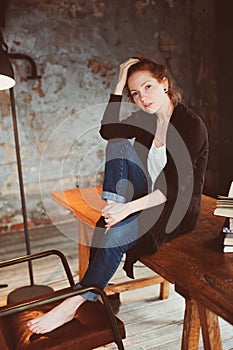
94,324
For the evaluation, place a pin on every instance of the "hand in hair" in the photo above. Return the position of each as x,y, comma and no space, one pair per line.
122,76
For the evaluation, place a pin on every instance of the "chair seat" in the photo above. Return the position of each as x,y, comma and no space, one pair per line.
26,293
88,330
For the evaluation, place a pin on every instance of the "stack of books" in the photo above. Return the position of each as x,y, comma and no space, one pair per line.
228,239
224,207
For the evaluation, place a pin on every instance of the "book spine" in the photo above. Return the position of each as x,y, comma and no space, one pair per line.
231,224
228,249
228,241
228,232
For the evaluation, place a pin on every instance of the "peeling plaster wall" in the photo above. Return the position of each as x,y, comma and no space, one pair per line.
77,46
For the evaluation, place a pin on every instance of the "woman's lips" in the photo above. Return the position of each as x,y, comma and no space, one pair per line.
147,105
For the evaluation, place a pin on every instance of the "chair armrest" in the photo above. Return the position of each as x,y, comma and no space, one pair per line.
39,256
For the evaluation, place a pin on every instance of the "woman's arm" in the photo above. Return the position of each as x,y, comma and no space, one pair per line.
116,212
122,76
111,127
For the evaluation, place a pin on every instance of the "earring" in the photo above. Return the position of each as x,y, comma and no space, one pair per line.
165,90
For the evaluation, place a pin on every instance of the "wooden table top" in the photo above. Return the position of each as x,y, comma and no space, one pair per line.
85,203
193,261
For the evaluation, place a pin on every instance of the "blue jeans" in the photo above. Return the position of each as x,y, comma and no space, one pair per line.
125,180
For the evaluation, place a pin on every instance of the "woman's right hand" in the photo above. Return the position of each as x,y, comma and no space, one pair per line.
114,212
122,76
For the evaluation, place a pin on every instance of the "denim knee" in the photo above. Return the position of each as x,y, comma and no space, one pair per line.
115,147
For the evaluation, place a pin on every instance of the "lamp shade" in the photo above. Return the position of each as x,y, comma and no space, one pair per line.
6,71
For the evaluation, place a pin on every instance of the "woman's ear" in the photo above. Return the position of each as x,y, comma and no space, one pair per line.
165,84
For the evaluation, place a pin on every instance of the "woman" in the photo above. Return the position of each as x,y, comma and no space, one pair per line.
152,186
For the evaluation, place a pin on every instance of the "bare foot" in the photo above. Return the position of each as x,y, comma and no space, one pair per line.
56,317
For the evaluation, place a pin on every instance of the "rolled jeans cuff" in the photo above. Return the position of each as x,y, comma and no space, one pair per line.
113,197
91,296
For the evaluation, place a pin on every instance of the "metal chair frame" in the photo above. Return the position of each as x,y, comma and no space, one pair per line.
13,309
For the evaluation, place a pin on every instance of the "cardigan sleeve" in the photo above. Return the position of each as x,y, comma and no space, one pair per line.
187,148
111,125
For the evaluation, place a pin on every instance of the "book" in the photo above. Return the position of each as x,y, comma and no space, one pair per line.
226,229
228,249
224,206
228,239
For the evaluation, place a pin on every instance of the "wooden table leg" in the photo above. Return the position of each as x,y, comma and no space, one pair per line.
83,248
191,326
164,290
210,329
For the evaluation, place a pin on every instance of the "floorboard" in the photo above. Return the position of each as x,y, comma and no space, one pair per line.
151,324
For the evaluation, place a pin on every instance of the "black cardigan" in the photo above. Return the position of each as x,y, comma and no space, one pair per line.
181,180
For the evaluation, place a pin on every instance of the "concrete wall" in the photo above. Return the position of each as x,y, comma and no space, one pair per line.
77,46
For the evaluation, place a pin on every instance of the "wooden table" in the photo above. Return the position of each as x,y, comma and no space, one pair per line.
203,275
194,263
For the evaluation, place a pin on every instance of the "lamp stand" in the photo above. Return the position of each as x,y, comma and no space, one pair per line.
21,184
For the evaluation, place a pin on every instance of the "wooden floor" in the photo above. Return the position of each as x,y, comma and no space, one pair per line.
150,323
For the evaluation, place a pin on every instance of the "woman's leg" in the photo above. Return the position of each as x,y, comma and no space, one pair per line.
125,176
124,180
100,270
107,258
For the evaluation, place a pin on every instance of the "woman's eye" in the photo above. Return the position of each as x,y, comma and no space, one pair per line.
134,94
148,86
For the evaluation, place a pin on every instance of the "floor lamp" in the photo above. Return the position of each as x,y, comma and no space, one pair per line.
7,81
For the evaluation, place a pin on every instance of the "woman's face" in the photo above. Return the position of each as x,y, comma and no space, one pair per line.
147,92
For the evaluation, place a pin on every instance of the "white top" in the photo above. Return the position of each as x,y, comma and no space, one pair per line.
156,161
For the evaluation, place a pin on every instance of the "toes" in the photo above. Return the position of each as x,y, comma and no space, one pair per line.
34,328
37,330
32,322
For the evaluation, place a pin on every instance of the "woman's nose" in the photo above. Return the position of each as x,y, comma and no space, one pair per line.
142,97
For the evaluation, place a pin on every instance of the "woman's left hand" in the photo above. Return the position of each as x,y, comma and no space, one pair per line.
115,212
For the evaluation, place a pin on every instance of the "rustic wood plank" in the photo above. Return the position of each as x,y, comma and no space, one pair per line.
138,283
